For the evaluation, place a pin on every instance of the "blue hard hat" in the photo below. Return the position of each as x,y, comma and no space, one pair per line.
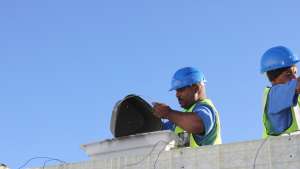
277,57
186,77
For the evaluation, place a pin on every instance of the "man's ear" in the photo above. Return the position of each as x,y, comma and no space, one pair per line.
196,87
275,80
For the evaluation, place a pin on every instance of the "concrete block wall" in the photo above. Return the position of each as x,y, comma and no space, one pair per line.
274,153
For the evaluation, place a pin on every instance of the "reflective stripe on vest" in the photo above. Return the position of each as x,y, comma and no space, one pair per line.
214,136
295,117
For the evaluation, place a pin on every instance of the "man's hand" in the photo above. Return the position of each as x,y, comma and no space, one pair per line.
161,110
188,121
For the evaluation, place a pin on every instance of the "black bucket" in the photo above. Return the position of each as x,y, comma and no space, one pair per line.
133,115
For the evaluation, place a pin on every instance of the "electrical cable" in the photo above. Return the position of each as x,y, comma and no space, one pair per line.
147,155
261,146
46,161
156,160
41,157
258,151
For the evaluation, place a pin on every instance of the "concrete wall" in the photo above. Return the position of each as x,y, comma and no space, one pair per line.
274,153
134,144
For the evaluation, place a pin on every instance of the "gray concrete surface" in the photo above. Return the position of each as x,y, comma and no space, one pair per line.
274,153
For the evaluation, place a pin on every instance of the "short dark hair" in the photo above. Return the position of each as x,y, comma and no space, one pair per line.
273,74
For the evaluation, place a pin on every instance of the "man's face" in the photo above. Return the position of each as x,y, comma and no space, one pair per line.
186,96
287,75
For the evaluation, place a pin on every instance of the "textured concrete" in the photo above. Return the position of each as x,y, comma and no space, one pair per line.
134,144
274,153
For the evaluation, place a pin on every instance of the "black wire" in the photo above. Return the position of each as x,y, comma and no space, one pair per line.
40,157
261,145
156,160
46,161
258,151
146,156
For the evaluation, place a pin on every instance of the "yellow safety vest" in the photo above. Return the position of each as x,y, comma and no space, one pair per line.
295,117
214,136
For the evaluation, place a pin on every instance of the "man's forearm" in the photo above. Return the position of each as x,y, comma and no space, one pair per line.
188,121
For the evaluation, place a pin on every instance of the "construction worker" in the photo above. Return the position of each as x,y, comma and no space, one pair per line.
198,124
281,100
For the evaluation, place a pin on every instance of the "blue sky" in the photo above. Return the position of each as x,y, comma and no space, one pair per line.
64,64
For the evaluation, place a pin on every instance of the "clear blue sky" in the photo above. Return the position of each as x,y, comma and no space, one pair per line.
64,64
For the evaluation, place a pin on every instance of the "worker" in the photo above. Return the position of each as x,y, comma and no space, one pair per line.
198,124
281,100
